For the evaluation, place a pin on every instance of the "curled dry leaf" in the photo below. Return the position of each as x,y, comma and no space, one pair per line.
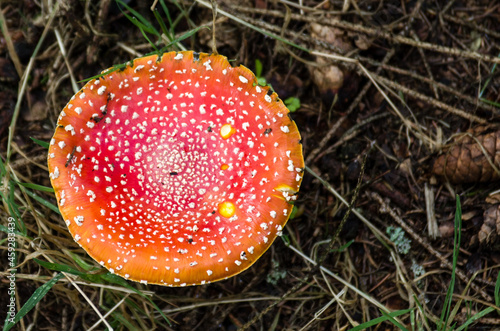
493,198
470,158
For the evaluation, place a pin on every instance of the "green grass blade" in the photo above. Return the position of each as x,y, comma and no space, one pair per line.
13,204
138,310
132,305
3,228
393,321
380,319
33,300
146,37
70,270
9,200
114,279
162,24
488,80
183,15
108,71
445,314
497,292
167,12
43,202
138,20
124,322
81,263
258,68
412,320
44,144
3,171
37,187
181,38
475,317
493,103
343,247
420,308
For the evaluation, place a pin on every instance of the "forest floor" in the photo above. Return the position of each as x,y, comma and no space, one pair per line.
397,103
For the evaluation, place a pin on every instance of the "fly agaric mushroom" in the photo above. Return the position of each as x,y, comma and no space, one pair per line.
177,170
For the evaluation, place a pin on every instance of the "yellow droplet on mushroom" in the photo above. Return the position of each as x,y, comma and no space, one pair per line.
227,209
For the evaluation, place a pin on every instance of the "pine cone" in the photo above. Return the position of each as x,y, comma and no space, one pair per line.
468,159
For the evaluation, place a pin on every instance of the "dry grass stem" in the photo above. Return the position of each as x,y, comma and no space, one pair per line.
392,211
381,94
375,33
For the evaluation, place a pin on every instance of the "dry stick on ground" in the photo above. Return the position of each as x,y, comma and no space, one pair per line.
92,49
412,93
432,101
250,285
375,32
351,66
426,64
385,208
397,86
351,108
62,49
409,26
456,92
472,25
352,132
25,160
214,17
278,29
461,44
330,47
109,312
10,45
374,229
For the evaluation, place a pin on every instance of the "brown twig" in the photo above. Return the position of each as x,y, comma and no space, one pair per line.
10,46
394,213
456,92
432,101
375,32
471,25
312,155
214,17
392,84
92,49
415,11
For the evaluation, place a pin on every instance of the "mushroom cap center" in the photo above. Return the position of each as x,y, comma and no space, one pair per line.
175,173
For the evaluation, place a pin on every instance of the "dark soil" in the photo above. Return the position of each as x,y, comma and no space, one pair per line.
434,60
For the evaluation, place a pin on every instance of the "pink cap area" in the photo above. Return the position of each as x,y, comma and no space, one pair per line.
177,170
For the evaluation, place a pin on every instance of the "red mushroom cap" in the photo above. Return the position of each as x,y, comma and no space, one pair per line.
177,170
